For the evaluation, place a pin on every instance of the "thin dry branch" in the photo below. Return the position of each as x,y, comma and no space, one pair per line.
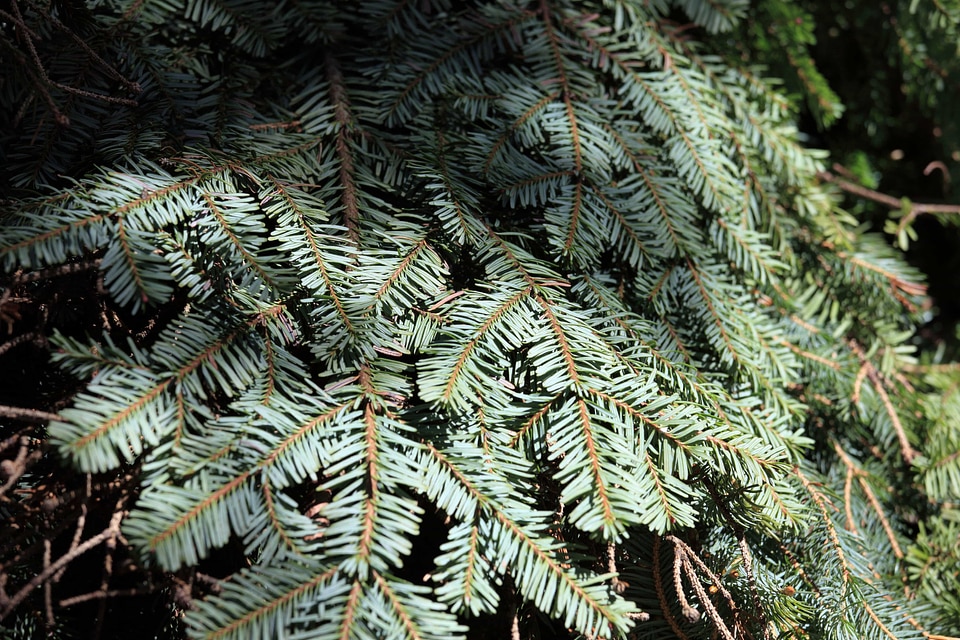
914,209
103,595
618,585
43,81
18,340
81,522
8,604
12,470
56,271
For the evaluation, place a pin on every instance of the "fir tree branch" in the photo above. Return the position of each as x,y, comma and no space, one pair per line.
269,606
344,120
515,125
822,502
905,447
661,592
350,610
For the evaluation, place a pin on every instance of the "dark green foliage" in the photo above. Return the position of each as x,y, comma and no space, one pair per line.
418,315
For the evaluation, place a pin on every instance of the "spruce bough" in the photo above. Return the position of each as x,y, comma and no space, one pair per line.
545,297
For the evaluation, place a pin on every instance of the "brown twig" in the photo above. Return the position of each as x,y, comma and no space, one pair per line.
689,612
6,443
111,545
914,208
42,81
53,272
81,523
131,86
47,588
103,595
947,367
42,72
13,469
861,475
26,337
8,604
935,165
688,558
618,585
691,555
27,415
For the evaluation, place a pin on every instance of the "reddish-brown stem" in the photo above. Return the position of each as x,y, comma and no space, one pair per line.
914,208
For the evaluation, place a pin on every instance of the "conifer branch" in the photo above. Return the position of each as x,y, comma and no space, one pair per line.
661,593
854,470
350,610
516,124
408,624
338,95
905,447
822,502
715,315
551,274
270,606
565,94
468,349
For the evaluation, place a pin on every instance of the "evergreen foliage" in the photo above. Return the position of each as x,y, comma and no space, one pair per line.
544,297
